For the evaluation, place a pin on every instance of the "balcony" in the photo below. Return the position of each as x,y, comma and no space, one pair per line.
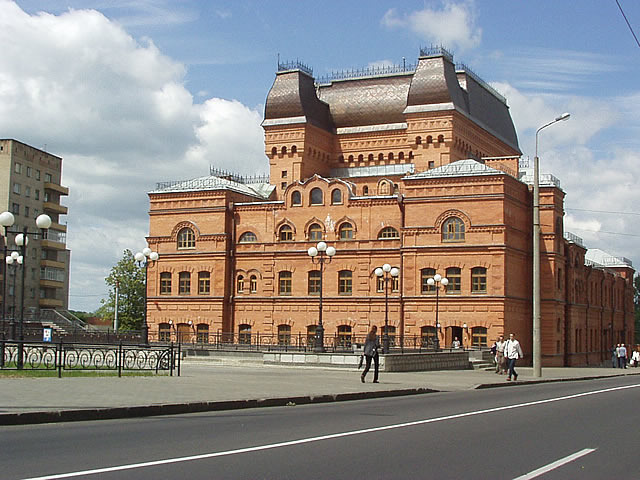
55,240
45,283
51,264
54,208
56,188
50,303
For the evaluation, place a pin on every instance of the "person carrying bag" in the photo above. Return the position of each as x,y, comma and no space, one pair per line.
371,347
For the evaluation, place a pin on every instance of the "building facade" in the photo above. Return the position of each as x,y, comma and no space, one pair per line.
31,184
416,166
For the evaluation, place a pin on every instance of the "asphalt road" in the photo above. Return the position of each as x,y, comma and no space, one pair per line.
589,428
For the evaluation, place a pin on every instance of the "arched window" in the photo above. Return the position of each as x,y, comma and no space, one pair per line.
165,283
244,334
248,237
314,282
164,332
351,158
186,238
284,283
286,233
428,336
296,198
453,230
344,336
388,232
478,280
390,155
454,276
336,196
360,158
253,284
316,197
184,283
479,336
341,158
283,150
425,275
370,157
429,139
401,156
240,284
418,140
294,149
346,231
365,190
274,151
204,283
315,232
202,333
284,334
381,156
440,138
345,282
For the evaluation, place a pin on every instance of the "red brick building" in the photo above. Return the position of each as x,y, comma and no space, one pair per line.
417,167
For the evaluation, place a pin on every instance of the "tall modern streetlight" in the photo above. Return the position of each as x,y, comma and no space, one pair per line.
43,222
143,258
537,347
436,281
320,255
385,272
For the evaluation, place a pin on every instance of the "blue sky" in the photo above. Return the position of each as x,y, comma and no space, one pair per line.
133,92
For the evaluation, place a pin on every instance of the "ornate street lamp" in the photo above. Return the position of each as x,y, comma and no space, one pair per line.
43,222
537,348
142,259
436,281
385,272
320,255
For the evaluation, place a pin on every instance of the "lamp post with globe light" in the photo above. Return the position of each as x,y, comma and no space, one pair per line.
142,259
43,222
436,281
320,255
384,273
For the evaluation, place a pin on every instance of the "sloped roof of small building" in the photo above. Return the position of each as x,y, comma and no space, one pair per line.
461,168
211,182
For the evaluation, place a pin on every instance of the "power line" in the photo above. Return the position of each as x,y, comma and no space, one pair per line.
625,19
602,211
602,231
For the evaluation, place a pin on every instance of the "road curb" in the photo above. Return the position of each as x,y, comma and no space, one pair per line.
89,414
483,386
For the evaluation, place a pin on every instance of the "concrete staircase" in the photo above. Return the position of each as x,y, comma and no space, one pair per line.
482,360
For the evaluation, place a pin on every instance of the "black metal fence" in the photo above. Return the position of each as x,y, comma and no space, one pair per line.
60,357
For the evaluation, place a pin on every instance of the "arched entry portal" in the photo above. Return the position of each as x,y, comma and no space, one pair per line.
451,333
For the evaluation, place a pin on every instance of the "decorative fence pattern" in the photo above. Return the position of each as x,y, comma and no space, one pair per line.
15,355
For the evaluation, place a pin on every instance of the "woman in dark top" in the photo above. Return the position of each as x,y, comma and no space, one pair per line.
371,346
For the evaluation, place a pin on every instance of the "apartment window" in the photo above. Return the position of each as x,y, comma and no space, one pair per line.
479,336
165,283
425,275
253,284
380,284
395,284
453,230
432,164
284,334
16,188
344,336
46,196
244,334
283,185
286,233
26,211
29,172
184,283
47,177
346,231
284,281
186,238
27,191
37,194
164,332
454,276
248,237
15,209
479,280
284,174
37,174
428,336
202,333
315,232
240,284
204,283
314,282
17,167
345,282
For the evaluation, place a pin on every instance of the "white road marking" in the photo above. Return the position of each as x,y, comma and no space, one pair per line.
556,464
301,441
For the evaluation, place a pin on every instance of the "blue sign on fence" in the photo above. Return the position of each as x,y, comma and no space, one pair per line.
46,334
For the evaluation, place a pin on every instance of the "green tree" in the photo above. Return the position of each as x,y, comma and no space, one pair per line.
130,278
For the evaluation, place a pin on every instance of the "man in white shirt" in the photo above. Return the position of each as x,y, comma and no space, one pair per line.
622,354
512,352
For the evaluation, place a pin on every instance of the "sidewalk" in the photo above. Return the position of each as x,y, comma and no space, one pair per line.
204,386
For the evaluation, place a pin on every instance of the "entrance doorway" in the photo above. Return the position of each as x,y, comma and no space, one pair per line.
451,334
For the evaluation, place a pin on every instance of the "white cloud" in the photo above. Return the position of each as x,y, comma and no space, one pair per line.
452,24
119,114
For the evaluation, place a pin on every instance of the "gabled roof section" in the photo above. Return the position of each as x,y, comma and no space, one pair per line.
260,191
461,168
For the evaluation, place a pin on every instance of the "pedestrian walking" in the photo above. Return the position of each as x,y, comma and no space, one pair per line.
499,355
371,347
512,352
635,358
619,362
623,356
